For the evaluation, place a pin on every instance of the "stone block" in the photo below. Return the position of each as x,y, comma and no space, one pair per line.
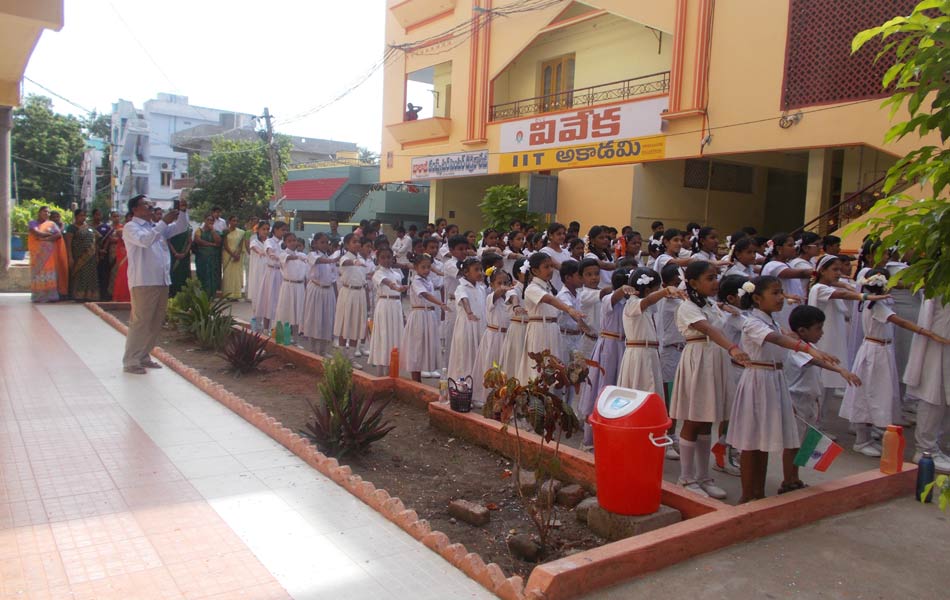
527,482
548,491
470,512
583,508
570,496
616,527
524,547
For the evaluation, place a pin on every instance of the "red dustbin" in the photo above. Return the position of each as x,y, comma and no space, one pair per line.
629,439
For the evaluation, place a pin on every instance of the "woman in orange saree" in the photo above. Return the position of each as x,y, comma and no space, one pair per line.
47,259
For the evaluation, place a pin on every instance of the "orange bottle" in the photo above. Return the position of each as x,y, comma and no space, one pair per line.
394,362
892,451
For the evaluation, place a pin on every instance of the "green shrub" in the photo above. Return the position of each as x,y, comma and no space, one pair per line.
504,203
208,319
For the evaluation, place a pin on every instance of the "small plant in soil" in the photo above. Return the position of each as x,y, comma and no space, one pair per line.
207,319
343,421
245,350
540,403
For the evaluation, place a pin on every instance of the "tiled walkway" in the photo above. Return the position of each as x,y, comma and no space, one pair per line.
124,486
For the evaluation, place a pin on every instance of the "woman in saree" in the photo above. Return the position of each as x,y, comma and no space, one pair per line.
44,245
208,256
120,267
232,250
107,255
82,249
179,247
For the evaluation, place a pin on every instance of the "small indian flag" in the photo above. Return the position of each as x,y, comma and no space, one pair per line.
817,451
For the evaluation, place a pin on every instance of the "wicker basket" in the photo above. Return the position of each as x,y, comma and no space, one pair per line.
460,397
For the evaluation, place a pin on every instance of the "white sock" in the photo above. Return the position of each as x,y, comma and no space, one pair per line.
687,460
862,432
703,447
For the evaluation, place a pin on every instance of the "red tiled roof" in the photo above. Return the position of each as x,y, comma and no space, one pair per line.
313,189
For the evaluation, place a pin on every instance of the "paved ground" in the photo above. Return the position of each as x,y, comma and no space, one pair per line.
124,486
118,486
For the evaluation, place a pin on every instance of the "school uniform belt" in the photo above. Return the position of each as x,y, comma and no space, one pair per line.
611,335
423,308
878,341
353,287
570,331
451,296
591,336
497,328
318,284
514,320
701,338
388,297
293,280
542,319
754,364
273,266
641,344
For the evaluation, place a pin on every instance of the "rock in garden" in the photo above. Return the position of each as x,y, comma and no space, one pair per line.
548,491
524,547
471,513
570,495
581,510
527,482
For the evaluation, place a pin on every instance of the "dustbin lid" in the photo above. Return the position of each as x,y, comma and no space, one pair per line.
635,407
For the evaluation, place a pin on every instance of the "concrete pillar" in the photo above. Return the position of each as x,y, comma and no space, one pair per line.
6,124
435,190
818,191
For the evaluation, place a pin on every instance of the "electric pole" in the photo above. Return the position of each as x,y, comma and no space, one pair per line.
274,159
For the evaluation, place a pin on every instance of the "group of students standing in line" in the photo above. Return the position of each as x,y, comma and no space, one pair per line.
755,341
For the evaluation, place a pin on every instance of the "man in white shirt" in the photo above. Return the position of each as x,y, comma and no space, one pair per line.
220,225
149,278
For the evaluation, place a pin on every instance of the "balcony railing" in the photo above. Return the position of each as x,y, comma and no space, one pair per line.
655,83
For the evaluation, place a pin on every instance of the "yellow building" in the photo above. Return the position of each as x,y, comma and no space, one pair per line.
732,113
21,23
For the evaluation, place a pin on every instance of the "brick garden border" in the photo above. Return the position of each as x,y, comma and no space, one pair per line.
708,525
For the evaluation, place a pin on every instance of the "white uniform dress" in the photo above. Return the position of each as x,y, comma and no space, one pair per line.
640,365
590,306
266,304
700,385
732,328
558,257
762,417
421,333
804,386
877,401
320,305
834,341
856,331
349,322
543,332
607,353
605,274
672,342
497,320
256,265
737,268
789,286
387,317
513,346
450,282
928,375
571,334
293,290
510,257
467,334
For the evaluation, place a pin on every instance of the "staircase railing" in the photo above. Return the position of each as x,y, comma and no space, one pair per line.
849,209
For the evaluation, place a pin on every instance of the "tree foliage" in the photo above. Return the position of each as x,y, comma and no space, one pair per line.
920,43
504,203
47,149
236,176
367,156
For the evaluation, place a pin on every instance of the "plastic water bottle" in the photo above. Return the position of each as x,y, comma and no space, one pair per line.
254,325
288,337
892,452
279,333
444,385
925,475
394,362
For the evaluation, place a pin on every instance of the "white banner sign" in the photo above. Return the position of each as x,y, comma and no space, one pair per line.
459,164
591,124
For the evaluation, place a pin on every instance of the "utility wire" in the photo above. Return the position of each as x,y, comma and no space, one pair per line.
63,98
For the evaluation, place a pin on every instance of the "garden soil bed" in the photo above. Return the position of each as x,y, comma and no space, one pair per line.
421,465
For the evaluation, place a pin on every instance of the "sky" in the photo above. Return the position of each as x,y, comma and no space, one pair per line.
241,55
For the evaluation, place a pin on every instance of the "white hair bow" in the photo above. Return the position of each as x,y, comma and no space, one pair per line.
644,279
876,280
747,288
524,268
798,244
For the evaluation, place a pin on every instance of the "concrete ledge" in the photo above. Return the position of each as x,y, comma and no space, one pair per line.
16,279
625,559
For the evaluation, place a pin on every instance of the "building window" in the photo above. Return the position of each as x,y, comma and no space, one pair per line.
557,83
167,178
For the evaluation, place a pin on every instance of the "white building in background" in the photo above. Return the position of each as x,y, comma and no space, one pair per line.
143,161
89,171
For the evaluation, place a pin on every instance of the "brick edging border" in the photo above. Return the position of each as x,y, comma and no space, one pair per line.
490,575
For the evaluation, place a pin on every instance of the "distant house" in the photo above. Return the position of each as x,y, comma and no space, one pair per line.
303,150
